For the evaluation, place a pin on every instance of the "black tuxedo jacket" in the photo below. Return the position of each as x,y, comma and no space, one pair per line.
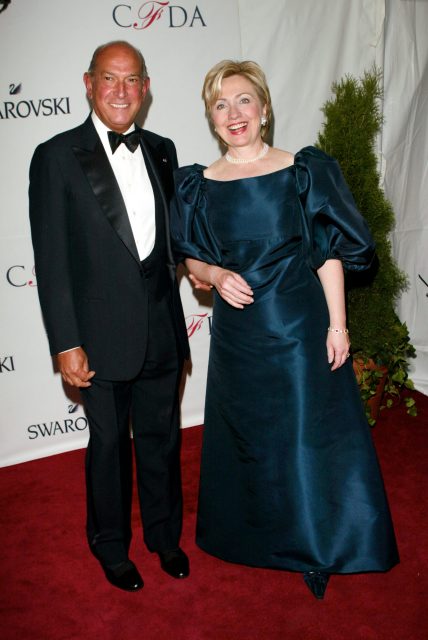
91,285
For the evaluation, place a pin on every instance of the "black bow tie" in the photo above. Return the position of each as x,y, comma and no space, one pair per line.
131,140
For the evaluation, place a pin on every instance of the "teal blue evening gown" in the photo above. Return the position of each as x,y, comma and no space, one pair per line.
289,475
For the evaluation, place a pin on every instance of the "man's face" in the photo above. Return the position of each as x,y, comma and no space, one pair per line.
116,88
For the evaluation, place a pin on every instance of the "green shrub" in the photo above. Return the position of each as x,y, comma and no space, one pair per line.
353,121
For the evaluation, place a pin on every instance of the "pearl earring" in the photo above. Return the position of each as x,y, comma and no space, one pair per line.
263,121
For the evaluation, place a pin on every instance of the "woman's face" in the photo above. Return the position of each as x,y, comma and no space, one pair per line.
237,112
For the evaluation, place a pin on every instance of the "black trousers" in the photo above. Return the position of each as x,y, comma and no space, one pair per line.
151,400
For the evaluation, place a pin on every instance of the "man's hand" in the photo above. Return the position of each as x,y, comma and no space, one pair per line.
74,367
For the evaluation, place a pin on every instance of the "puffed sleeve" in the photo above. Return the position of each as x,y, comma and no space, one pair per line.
332,225
190,230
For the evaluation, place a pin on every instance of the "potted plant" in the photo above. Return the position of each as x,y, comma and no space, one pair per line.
380,342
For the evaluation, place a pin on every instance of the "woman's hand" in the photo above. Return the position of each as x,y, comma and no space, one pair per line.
231,287
337,348
199,284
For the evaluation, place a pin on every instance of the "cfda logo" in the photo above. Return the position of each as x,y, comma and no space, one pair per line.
143,16
17,276
196,321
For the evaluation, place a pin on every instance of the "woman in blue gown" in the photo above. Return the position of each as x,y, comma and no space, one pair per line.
289,475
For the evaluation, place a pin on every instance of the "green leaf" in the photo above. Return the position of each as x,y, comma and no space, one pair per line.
399,376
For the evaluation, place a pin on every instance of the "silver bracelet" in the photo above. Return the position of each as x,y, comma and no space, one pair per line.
338,330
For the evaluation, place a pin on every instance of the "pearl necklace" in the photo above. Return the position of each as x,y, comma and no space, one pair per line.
261,155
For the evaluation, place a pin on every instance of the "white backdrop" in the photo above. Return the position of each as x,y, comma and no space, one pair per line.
405,154
303,45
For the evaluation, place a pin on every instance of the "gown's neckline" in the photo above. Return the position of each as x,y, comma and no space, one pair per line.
263,175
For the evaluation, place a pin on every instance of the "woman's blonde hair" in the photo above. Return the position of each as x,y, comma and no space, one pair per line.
249,70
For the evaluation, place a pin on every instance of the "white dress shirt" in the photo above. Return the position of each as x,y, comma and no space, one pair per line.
134,183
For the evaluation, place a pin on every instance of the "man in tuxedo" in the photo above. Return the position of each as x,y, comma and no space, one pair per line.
99,219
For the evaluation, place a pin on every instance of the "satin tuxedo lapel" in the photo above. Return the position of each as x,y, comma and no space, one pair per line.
97,168
157,162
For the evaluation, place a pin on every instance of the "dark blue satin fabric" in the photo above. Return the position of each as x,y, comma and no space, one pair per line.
289,475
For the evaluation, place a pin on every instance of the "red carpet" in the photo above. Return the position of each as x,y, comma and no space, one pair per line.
53,589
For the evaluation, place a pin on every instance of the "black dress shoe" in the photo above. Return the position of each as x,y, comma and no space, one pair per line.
317,582
175,563
124,576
